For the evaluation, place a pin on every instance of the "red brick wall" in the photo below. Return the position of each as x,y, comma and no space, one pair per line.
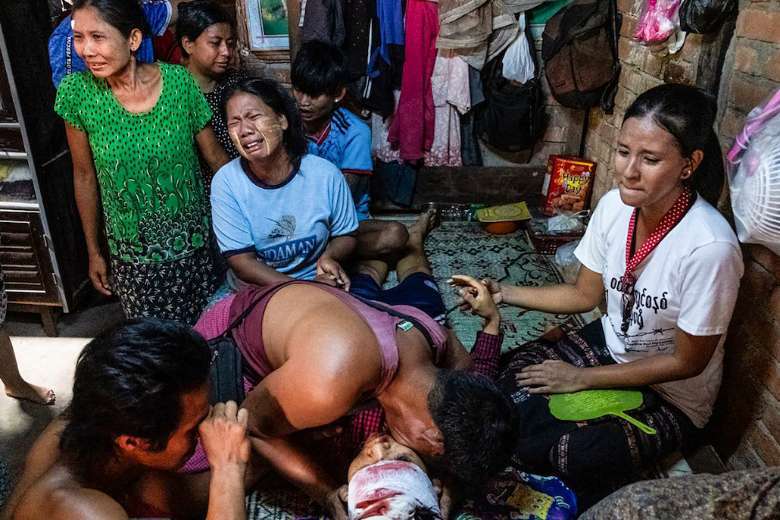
746,427
642,70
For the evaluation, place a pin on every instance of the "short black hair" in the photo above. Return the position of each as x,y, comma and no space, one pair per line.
130,380
196,16
282,103
425,513
688,114
319,68
477,422
123,15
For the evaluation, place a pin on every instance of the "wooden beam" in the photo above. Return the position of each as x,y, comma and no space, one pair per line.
479,184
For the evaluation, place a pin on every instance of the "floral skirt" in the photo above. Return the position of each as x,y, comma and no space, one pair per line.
593,457
177,290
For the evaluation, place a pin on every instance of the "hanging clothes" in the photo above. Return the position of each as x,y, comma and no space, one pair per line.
465,24
477,30
358,15
521,6
380,130
470,152
390,14
412,126
385,65
451,97
322,20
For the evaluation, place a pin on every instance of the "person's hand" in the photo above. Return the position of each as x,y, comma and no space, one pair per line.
328,268
326,279
495,289
552,377
335,504
224,438
445,497
98,273
476,297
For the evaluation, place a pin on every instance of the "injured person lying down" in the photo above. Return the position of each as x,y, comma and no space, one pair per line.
314,354
388,480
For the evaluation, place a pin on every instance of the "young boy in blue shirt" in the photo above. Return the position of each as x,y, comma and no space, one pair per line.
319,78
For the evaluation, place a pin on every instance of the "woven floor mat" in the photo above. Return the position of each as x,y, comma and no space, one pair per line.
465,248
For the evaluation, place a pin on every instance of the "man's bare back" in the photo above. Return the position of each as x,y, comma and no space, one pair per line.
324,358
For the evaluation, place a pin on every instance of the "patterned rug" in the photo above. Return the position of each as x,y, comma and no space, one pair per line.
465,248
452,248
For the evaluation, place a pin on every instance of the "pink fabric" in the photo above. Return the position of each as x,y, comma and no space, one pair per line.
215,320
451,94
412,128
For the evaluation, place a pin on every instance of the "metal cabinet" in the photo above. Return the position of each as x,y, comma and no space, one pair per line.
42,249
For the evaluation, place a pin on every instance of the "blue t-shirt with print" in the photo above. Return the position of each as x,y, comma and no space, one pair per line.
288,225
62,55
346,142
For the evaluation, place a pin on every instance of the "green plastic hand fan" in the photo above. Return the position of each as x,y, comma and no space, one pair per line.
592,404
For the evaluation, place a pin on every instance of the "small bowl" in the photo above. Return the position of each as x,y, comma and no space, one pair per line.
501,228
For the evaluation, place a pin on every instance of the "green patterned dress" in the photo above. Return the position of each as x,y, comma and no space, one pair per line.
151,188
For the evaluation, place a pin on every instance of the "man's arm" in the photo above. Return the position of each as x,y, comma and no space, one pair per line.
225,442
309,390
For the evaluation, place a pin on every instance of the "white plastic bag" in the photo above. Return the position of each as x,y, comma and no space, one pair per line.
754,176
567,262
518,62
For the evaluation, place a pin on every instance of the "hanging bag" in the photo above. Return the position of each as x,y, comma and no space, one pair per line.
704,16
580,52
226,376
512,116
518,64
658,20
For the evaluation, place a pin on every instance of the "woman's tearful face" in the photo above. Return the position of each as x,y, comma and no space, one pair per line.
256,130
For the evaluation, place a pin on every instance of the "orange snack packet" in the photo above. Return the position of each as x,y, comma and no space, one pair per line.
567,183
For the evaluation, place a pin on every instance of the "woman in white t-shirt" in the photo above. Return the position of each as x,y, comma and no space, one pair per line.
670,266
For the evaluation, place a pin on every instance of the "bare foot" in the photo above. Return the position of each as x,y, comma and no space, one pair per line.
424,224
33,393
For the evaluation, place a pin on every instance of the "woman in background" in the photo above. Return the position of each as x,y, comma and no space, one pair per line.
279,212
206,34
133,130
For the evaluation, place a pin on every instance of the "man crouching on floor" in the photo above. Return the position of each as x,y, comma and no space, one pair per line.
140,399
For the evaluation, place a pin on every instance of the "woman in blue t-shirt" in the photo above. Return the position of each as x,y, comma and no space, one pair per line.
279,213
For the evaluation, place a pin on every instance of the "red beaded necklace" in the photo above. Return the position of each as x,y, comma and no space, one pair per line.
670,219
